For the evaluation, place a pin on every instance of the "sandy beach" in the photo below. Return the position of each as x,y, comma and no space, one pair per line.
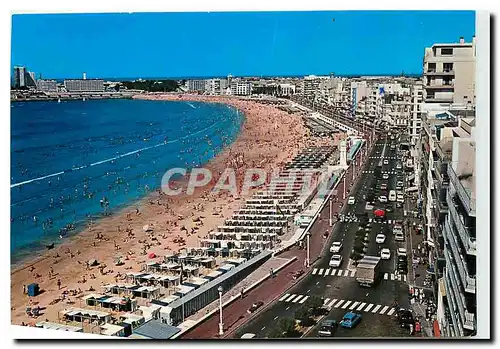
268,139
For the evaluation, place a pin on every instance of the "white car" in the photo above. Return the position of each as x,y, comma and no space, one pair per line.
336,247
398,166
382,198
401,251
401,198
385,253
369,206
399,237
393,146
335,261
380,238
385,176
351,200
386,162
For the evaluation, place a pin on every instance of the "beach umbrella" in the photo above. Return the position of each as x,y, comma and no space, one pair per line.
379,213
152,255
146,228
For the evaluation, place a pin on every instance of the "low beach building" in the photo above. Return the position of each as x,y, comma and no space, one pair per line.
112,330
59,327
81,315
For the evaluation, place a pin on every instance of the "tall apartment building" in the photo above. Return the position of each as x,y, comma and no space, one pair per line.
449,73
23,78
46,85
216,87
415,121
449,197
196,85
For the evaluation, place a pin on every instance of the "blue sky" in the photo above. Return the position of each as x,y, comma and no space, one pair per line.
244,43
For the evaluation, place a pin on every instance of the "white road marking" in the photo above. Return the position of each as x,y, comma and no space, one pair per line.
308,291
404,278
399,277
283,298
339,303
392,276
287,308
297,299
384,309
367,309
320,272
391,311
327,272
376,308
332,302
386,276
353,273
339,272
290,298
346,272
354,305
275,318
326,301
262,329
303,299
346,304
315,270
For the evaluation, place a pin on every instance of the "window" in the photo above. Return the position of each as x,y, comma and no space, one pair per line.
446,51
447,67
431,67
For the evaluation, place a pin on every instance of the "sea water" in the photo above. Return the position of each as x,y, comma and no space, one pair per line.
76,161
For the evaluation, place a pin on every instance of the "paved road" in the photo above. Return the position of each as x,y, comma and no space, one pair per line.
235,314
341,292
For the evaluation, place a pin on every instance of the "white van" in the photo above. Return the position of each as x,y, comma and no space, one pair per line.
392,195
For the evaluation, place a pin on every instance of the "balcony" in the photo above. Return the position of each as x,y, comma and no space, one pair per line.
433,99
469,323
468,241
468,281
434,72
443,155
469,204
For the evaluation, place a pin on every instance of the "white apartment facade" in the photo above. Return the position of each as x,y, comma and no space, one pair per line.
449,73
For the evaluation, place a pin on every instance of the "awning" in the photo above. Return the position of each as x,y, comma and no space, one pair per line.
437,333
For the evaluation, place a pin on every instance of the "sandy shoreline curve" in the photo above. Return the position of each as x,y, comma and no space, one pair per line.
268,139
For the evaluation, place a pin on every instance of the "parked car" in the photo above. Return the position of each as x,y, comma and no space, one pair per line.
389,208
335,261
382,198
369,206
380,238
248,336
386,162
385,253
350,320
336,247
351,200
399,237
383,186
385,176
399,204
327,328
401,251
398,166
255,306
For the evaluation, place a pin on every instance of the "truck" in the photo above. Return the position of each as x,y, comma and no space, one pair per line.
367,271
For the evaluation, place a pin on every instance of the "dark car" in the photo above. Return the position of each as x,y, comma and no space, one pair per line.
327,328
399,204
255,306
405,318
389,208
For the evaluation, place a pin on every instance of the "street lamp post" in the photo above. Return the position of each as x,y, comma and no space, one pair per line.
353,168
344,187
331,210
307,256
221,325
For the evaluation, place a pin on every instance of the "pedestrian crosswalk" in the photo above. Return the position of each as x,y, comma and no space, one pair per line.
324,272
334,303
389,221
384,157
382,172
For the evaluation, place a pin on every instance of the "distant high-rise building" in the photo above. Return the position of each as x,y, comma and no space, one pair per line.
23,78
84,76
196,85
19,77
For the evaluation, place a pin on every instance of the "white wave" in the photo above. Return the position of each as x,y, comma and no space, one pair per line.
114,158
192,106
